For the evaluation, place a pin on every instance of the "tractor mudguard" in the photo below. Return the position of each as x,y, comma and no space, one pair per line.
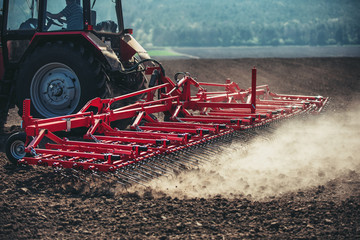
87,39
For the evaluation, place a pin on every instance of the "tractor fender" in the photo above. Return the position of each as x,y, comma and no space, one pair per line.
86,39
129,46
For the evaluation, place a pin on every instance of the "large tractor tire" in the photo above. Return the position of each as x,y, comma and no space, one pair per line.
124,84
59,78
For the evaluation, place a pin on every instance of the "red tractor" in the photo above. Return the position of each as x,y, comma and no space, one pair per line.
60,65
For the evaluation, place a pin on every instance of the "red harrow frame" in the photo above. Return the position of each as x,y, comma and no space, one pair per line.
191,121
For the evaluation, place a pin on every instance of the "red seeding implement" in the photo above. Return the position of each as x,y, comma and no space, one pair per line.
168,130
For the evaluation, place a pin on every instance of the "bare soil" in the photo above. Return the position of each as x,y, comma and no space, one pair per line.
38,203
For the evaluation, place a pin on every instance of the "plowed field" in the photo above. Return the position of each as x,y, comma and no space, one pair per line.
301,180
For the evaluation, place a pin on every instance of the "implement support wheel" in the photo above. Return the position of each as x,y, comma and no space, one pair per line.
15,147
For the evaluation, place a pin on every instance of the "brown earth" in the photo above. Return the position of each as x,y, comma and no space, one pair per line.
38,203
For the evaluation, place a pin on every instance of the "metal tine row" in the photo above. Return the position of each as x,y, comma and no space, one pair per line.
164,164
142,172
184,155
167,165
169,160
71,175
79,175
191,154
124,180
195,155
130,177
101,175
145,171
170,164
252,132
182,162
213,146
200,153
152,164
269,130
151,168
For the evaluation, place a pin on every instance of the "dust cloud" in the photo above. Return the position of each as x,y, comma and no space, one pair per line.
299,154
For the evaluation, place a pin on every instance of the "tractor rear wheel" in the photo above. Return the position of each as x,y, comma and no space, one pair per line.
59,78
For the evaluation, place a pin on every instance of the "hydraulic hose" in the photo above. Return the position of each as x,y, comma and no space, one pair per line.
131,69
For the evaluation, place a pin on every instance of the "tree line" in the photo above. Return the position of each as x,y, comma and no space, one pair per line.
243,22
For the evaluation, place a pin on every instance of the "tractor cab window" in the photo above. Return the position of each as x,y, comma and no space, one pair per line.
22,15
64,15
103,16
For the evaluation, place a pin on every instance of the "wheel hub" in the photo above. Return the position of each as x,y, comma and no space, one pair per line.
58,90
18,149
55,90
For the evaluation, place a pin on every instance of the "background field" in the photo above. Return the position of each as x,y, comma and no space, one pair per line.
204,23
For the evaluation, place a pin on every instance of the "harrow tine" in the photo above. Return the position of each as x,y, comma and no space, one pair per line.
62,173
177,165
159,162
104,175
198,158
96,174
183,159
130,173
240,135
179,156
167,164
166,159
269,130
131,178
79,178
120,179
209,150
128,180
100,176
201,157
187,162
153,165
157,173
215,149
250,132
177,159
79,173
144,170
136,171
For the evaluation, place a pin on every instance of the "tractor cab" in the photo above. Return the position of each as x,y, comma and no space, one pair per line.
102,17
